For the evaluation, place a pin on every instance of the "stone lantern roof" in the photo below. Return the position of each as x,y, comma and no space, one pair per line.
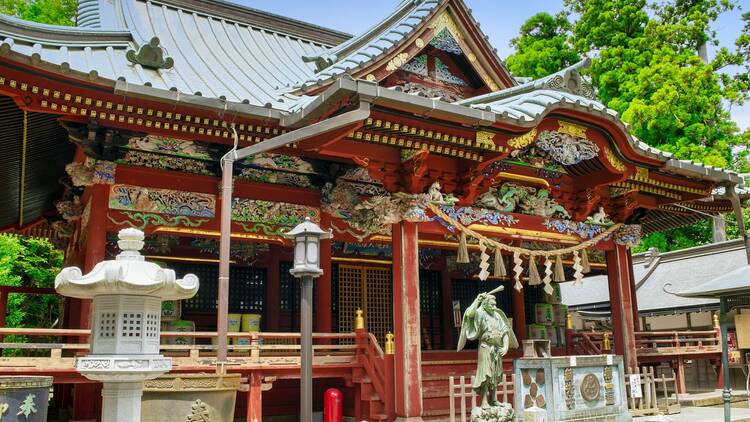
128,274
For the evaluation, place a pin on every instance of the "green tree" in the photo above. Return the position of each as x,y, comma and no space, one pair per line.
53,12
29,262
543,46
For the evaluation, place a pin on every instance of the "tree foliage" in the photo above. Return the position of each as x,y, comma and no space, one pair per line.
53,12
543,46
647,66
29,262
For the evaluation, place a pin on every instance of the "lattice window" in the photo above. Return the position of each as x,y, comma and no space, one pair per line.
369,289
107,325
430,302
350,286
152,325
378,301
290,295
247,288
131,324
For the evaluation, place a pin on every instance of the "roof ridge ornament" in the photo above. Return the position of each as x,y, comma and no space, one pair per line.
150,55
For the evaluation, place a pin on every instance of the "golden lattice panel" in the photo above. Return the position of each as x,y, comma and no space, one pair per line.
350,295
378,302
369,289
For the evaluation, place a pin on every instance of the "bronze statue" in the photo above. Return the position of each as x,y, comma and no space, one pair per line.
483,321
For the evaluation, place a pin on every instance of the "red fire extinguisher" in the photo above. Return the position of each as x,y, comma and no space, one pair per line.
333,404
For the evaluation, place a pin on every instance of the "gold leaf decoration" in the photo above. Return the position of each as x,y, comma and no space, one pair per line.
396,62
616,163
419,43
485,139
572,129
524,140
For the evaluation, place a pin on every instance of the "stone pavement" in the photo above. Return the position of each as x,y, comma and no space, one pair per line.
703,414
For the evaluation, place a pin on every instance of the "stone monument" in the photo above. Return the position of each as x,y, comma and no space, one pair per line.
125,323
484,322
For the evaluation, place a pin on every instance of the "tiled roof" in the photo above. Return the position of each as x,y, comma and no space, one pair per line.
679,271
373,43
531,101
215,56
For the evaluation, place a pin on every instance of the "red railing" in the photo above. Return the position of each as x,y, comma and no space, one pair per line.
648,343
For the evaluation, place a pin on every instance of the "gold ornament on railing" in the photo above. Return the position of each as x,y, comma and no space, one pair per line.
569,321
359,320
389,345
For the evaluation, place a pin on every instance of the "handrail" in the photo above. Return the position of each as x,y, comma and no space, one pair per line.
191,334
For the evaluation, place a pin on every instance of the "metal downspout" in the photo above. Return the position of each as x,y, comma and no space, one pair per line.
227,164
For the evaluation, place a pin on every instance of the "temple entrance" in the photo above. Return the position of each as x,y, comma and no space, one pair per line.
369,289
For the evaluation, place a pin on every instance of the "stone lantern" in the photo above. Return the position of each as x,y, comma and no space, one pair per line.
125,322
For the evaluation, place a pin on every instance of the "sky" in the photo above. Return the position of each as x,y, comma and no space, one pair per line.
499,19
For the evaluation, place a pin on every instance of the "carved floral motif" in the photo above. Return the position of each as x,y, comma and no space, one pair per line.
141,220
566,149
91,172
163,201
582,230
628,235
512,197
471,215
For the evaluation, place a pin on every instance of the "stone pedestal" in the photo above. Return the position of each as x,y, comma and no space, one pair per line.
121,401
572,388
502,412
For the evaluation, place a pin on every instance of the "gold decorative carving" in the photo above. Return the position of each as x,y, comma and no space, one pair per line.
613,159
370,77
443,21
641,173
522,141
572,129
485,139
419,43
396,62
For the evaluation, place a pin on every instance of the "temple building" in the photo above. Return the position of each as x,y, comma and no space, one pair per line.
440,174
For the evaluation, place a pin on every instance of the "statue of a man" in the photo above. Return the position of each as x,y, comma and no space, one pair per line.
483,321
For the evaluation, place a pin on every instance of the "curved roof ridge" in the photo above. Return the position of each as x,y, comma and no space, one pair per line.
331,56
245,15
35,32
559,81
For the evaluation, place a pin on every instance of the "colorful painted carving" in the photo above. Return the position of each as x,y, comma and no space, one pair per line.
162,201
512,197
599,217
281,162
566,149
171,146
628,235
166,162
582,230
444,74
522,140
417,65
271,213
471,215
141,220
91,172
70,209
445,41
439,198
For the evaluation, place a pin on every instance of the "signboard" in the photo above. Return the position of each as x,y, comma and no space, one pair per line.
635,386
742,322
456,313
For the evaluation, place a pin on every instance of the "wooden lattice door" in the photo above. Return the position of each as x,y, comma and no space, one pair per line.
369,289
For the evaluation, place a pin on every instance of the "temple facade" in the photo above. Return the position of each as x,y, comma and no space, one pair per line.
440,174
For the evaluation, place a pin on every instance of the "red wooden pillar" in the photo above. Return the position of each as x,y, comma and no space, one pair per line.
408,360
519,314
323,289
272,289
621,302
446,285
633,293
94,252
679,373
255,398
